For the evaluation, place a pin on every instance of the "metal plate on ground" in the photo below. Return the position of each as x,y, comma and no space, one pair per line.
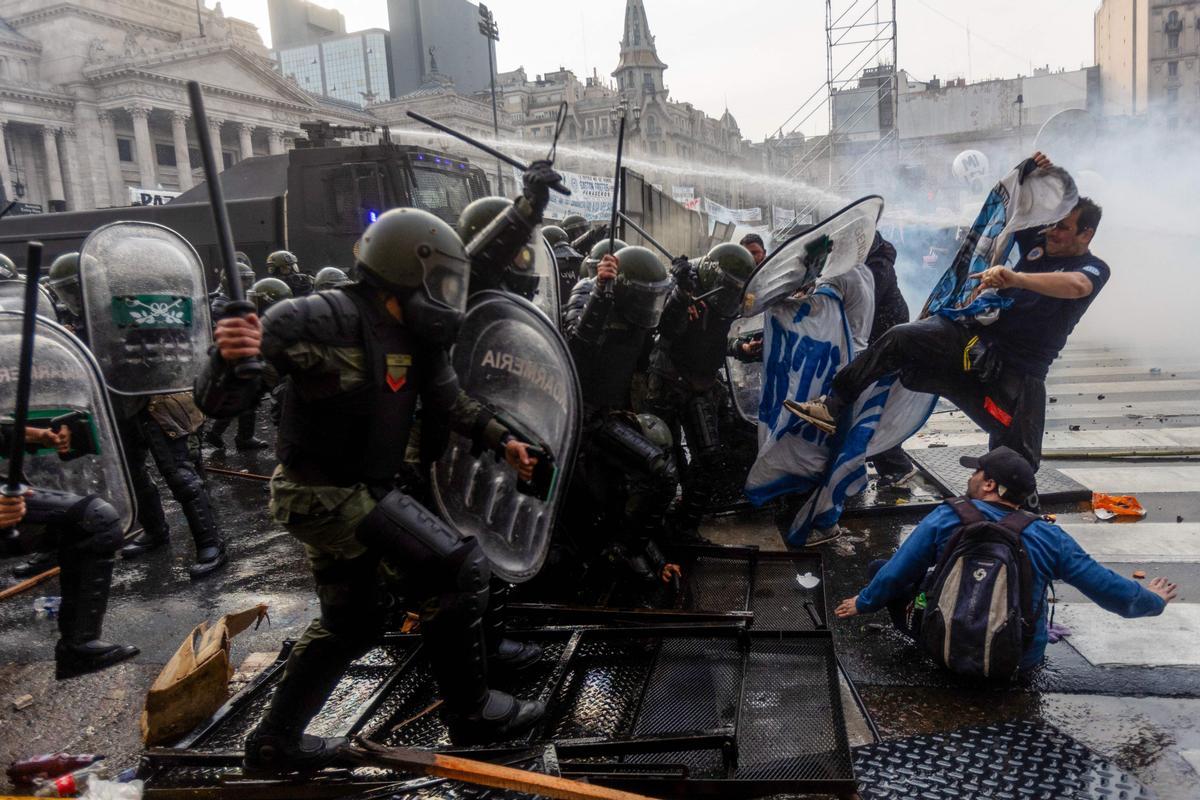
1018,760
942,467
776,591
669,710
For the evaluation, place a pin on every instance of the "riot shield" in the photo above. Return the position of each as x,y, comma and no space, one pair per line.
511,357
12,298
145,306
67,390
546,267
746,377
833,246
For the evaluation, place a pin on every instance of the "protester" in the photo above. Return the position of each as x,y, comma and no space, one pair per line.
1001,483
995,373
754,243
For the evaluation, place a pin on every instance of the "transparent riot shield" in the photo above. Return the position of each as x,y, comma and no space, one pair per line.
833,246
546,267
12,298
67,390
146,307
511,357
746,377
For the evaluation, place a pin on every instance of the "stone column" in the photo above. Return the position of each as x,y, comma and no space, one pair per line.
275,142
214,129
143,148
112,161
54,181
183,162
5,170
246,140
72,178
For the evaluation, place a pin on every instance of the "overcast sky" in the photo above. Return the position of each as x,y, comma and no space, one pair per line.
764,57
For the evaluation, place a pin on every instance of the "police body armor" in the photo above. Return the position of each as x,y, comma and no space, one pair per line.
569,263
606,357
68,390
342,438
145,307
511,358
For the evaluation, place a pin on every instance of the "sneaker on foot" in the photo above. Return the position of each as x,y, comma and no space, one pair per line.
897,480
815,412
823,535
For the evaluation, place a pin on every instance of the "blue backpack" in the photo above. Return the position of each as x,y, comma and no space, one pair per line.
979,598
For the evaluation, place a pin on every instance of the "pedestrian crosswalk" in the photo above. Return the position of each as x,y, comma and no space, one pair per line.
1121,422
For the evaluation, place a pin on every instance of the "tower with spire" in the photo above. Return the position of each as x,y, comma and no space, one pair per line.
639,72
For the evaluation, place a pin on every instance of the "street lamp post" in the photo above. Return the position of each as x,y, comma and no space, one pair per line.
491,32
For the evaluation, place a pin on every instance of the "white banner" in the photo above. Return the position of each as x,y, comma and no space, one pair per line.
591,196
682,194
150,197
719,213
782,216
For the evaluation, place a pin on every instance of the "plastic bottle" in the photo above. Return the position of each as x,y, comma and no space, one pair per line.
47,607
48,765
69,785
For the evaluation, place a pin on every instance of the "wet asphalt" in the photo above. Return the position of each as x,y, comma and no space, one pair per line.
1147,720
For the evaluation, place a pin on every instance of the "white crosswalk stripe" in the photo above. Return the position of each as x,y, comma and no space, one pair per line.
1143,413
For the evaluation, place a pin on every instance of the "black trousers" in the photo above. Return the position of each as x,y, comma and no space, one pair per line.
928,355
905,616
179,462
246,422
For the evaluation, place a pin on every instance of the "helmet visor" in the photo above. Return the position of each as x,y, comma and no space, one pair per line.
727,299
446,281
642,303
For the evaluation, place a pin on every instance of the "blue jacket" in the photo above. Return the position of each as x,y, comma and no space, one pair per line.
1053,554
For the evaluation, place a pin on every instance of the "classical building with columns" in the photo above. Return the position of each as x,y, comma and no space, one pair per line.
93,99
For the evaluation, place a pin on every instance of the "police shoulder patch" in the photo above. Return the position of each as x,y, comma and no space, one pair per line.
1035,254
1092,269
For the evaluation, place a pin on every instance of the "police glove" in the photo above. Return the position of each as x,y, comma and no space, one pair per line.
685,275
537,182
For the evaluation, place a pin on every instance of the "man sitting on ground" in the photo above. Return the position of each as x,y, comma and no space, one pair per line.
1002,482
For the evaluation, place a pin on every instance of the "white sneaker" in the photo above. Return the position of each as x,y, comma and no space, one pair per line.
814,412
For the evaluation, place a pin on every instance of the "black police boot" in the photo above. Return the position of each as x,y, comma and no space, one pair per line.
250,445
208,559
684,524
474,713
505,656
36,565
279,743
143,542
215,435
85,582
210,549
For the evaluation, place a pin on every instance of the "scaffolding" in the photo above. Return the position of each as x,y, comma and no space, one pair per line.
860,52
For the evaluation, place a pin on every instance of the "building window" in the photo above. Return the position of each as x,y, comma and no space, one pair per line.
589,126
1172,95
194,158
164,154
1172,68
1173,27
227,158
125,149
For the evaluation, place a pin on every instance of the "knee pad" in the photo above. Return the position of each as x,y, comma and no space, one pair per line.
415,539
186,484
349,595
98,524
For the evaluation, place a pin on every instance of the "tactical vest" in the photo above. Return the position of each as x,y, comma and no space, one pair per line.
357,436
699,354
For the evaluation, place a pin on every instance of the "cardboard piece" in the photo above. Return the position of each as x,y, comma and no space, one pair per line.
195,681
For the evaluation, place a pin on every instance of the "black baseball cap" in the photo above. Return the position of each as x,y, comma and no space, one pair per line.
1007,468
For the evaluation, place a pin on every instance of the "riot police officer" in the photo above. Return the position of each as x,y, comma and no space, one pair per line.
624,480
330,278
285,266
568,259
685,383
488,226
357,359
268,292
165,427
598,251
245,439
583,237
84,533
